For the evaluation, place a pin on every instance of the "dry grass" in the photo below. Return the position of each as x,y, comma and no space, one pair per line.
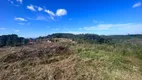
36,62
61,70
57,61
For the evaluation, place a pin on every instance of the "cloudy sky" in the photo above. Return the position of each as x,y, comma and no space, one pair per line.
32,18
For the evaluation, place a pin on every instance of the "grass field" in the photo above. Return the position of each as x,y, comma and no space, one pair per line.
66,61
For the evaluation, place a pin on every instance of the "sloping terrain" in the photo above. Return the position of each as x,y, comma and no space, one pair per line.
65,60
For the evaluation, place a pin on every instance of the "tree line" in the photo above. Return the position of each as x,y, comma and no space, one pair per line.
15,40
12,40
81,38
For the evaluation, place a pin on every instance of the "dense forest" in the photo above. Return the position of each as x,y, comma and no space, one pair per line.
12,40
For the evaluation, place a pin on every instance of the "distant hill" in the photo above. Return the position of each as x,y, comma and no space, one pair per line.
15,40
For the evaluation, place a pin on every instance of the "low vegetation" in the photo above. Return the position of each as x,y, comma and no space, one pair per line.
73,58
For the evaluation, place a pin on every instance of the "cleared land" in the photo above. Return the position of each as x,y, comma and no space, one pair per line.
69,60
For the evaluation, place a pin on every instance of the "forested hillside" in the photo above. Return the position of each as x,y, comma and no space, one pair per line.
12,40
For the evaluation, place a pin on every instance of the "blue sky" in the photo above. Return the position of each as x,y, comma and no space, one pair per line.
32,18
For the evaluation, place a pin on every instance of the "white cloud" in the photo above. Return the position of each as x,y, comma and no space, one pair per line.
16,30
49,12
106,26
52,15
133,28
34,8
31,7
20,19
61,12
136,4
2,28
20,1
40,9
99,27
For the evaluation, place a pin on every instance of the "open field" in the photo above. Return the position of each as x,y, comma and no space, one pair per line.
71,61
